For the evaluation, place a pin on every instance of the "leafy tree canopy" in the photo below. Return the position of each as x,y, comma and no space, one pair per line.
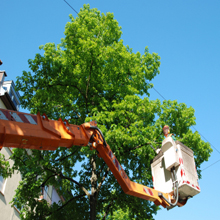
92,75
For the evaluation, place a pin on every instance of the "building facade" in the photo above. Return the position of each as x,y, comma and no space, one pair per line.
9,99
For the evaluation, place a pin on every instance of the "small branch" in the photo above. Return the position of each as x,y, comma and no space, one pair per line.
93,176
59,84
51,170
70,179
21,160
102,167
78,184
108,208
101,182
90,73
75,197
43,184
113,96
134,148
61,159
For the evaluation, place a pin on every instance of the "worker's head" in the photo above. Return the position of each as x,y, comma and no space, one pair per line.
166,130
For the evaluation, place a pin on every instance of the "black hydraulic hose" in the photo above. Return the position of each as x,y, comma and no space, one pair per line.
96,128
176,194
176,183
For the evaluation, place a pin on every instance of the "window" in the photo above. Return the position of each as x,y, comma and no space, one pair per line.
11,93
2,184
18,209
47,193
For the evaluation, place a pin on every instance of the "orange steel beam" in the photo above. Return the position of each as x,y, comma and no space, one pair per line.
129,187
30,131
22,130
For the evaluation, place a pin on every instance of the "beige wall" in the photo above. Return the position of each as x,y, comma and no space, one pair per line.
6,195
6,211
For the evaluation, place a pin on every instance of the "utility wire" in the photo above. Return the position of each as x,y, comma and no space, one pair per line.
211,164
200,135
163,99
154,89
70,6
212,147
159,93
207,140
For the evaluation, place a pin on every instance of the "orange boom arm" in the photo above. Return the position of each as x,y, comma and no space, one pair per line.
28,131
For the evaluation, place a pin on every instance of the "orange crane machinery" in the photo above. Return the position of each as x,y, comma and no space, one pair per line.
28,131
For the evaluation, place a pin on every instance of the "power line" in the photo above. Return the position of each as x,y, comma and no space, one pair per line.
211,165
163,99
200,135
154,88
70,6
159,93
212,147
206,140
192,126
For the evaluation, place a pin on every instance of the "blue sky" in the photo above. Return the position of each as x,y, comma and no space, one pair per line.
185,34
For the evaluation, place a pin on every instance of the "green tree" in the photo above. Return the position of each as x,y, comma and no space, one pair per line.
92,75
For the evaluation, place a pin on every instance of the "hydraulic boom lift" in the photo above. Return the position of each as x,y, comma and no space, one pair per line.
28,131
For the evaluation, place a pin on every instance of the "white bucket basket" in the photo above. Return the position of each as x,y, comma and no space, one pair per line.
175,154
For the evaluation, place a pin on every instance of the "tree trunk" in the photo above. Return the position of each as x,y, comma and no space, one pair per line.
93,199
93,207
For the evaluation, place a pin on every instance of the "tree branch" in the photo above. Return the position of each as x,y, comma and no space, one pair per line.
75,197
20,160
78,184
101,182
59,84
102,167
61,159
134,148
108,208
90,73
93,176
43,184
68,178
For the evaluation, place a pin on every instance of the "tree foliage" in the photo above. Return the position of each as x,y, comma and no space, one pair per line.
92,75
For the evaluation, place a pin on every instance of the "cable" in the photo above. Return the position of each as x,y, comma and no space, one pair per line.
159,93
193,126
207,140
211,165
200,135
212,147
96,128
176,194
161,96
71,6
154,89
